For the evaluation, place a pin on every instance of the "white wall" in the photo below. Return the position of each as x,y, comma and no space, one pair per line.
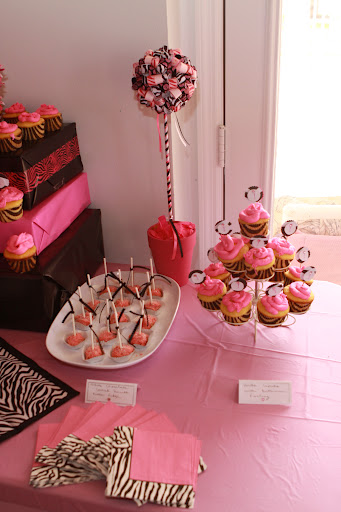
78,55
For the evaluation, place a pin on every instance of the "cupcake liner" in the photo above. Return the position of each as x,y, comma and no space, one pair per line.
52,124
253,273
33,132
8,144
236,266
258,228
11,120
298,307
212,305
239,320
12,214
24,265
278,276
281,264
266,320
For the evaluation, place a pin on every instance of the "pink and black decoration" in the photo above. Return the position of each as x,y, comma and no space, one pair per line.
164,80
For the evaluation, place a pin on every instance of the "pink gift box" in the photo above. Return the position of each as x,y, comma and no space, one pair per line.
51,217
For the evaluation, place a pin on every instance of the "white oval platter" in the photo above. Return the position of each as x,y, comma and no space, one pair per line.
57,347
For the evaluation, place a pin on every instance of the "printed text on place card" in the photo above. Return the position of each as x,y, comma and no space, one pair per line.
269,392
120,393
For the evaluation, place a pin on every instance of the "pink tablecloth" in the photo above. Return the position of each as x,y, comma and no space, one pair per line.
260,458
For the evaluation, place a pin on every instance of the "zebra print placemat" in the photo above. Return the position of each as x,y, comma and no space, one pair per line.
27,391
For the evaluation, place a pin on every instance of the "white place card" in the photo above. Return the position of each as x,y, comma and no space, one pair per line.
120,393
269,392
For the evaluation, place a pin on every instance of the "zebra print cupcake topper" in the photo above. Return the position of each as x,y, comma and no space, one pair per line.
212,255
254,194
308,273
197,276
237,284
259,241
274,289
288,228
4,181
223,227
302,254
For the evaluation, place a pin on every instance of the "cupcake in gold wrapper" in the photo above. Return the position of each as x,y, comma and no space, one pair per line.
11,114
210,293
236,307
21,253
254,220
10,137
259,263
11,201
32,126
51,115
299,296
272,310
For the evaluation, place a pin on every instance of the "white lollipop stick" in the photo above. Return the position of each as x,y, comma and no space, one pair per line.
109,293
150,289
80,296
119,337
117,327
132,272
142,307
152,273
91,292
105,266
73,324
108,315
116,317
140,326
121,290
92,334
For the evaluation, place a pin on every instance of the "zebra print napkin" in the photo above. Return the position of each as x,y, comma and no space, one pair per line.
40,392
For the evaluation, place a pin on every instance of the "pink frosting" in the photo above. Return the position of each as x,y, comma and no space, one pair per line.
7,127
215,269
228,247
9,194
211,287
296,271
47,110
259,257
236,301
16,108
281,246
275,304
18,244
300,289
253,213
29,117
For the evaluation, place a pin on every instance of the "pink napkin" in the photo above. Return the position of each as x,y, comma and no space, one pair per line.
165,457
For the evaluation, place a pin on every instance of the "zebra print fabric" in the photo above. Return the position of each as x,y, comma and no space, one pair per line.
120,485
40,392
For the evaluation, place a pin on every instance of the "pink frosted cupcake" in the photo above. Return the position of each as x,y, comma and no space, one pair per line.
259,263
11,114
10,137
32,126
11,201
273,310
21,253
254,220
236,307
299,296
211,292
284,252
294,274
230,251
218,271
52,116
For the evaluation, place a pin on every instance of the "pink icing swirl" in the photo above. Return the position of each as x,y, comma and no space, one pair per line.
253,213
47,110
16,108
296,271
281,246
18,244
275,304
259,257
29,117
228,247
9,194
211,287
7,127
300,289
215,269
236,301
